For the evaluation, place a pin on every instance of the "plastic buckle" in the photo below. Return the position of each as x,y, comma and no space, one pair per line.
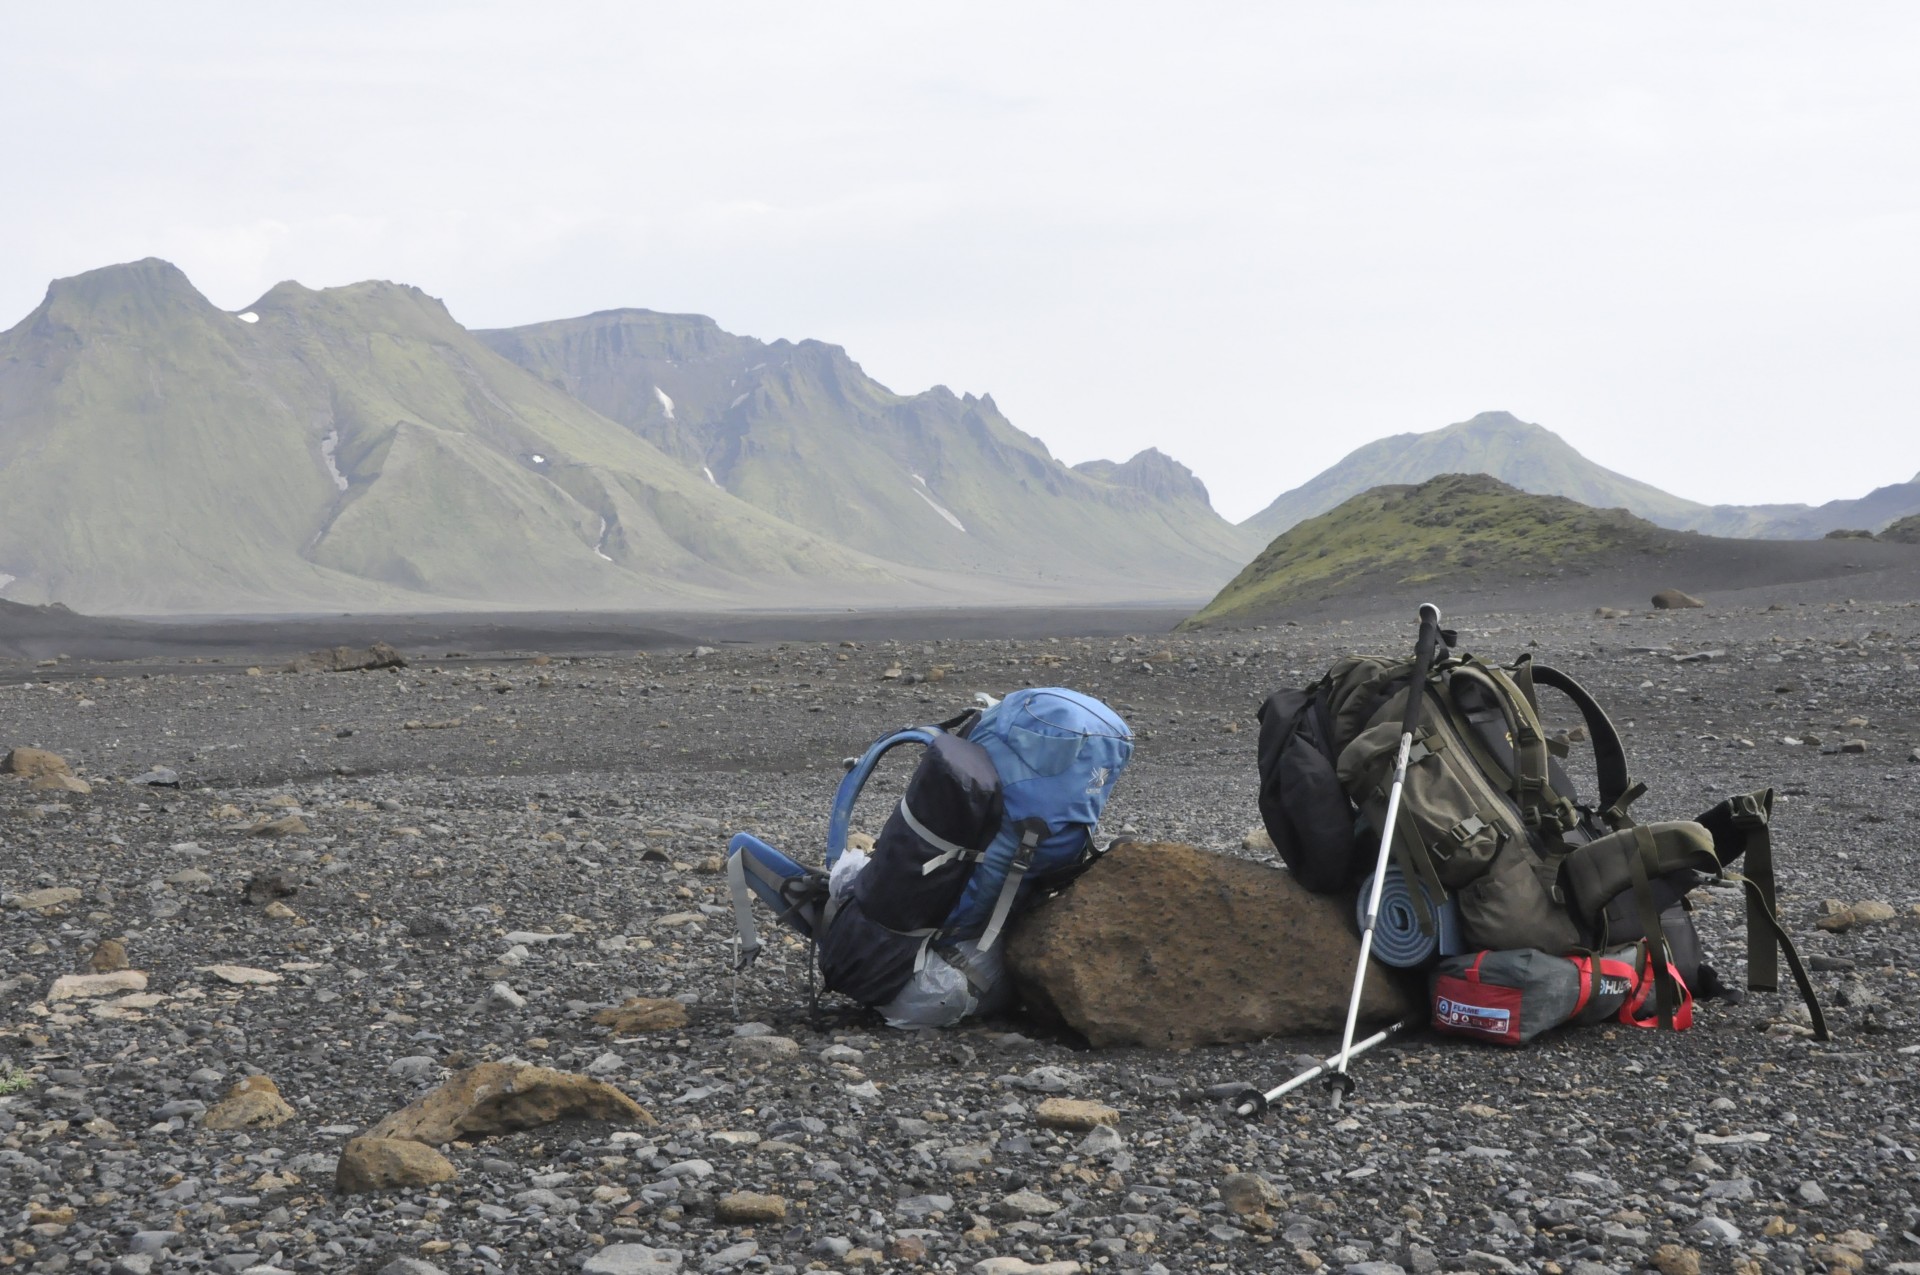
1747,811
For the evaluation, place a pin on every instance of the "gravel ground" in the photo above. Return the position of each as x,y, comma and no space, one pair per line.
461,812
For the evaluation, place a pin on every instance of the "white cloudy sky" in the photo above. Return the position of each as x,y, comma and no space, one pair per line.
1256,236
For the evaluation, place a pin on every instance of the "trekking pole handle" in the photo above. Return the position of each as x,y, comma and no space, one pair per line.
1424,649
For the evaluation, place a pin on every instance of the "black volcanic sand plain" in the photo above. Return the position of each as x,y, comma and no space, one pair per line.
455,802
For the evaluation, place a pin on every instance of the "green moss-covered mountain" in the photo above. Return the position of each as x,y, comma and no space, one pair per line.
1904,532
1449,531
936,480
356,448
1537,460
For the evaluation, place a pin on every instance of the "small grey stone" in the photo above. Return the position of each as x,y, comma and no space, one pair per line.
413,1067
410,1266
732,1255
1810,1194
633,1259
1101,1141
919,1207
1736,1189
967,1159
1716,1229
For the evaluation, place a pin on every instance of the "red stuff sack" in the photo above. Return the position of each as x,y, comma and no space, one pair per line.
1510,997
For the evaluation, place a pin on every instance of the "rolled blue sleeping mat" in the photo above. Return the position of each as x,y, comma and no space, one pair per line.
1398,939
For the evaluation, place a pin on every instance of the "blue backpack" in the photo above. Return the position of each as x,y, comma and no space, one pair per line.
1001,811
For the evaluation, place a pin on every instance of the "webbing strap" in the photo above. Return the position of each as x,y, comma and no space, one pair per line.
1763,902
948,850
1758,911
1646,857
1031,832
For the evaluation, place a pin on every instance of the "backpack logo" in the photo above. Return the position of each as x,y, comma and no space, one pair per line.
1098,780
1480,1018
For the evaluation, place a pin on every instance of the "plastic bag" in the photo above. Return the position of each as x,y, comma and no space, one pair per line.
845,869
941,993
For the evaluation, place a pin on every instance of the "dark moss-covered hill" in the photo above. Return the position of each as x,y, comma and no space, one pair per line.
1451,531
1904,532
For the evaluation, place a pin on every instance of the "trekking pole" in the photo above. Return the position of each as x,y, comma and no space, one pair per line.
1249,1101
1339,1084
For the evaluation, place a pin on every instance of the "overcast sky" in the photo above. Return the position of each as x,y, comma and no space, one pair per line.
1686,237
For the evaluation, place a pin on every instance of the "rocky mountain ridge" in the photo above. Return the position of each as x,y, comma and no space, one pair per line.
356,448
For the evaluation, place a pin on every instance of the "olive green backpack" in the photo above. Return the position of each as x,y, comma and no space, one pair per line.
1490,818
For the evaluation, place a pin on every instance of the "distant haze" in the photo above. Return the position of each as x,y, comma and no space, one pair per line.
1686,239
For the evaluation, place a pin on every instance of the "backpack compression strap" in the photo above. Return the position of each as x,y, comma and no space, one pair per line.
1752,815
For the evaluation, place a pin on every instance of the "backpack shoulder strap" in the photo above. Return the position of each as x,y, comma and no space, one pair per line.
1539,806
859,770
1610,759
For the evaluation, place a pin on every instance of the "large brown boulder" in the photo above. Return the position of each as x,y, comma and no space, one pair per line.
1171,946
1674,600
496,1098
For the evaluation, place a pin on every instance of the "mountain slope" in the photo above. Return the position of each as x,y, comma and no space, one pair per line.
1447,532
1876,509
1520,454
353,447
935,479
1537,460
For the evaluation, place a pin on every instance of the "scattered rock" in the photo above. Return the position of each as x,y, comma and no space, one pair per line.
633,1259
108,956
1674,600
746,1207
254,1103
1167,945
241,975
347,659
384,1164
158,777
1021,1266
643,1014
34,763
1872,912
1073,1113
1246,1194
285,826
265,887
40,900
1672,1259
765,1048
496,1097
73,987
1258,841
1023,1203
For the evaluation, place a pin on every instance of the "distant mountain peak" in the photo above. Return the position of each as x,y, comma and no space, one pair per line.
1523,454
1151,471
142,287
